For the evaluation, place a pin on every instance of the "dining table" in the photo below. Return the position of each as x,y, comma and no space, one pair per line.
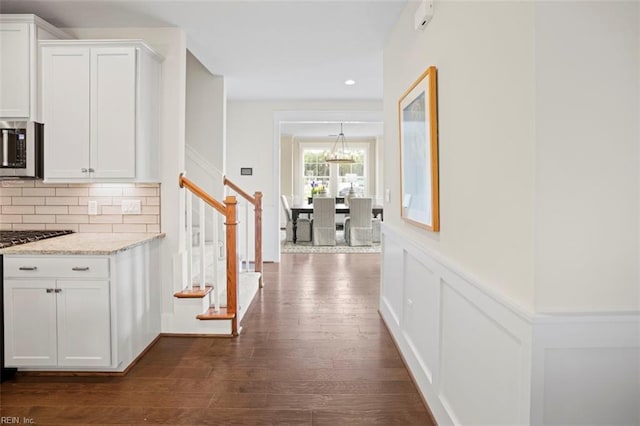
297,210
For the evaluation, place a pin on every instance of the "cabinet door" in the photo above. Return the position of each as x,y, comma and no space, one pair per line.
30,323
14,70
113,112
84,325
65,111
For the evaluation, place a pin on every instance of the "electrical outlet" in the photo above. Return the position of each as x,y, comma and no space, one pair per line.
92,207
130,207
387,195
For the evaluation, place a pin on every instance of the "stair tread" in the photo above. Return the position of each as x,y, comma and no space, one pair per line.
196,292
220,315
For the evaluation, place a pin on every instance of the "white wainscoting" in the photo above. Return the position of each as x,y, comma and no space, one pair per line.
469,352
479,359
586,370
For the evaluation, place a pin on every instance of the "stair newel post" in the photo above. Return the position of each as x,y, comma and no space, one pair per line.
203,260
232,260
258,235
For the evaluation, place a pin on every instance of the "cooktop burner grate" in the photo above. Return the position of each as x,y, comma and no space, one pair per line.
12,238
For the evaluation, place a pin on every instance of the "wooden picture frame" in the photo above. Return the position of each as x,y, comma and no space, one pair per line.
418,127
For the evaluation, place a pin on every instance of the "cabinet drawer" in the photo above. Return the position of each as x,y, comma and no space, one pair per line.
56,267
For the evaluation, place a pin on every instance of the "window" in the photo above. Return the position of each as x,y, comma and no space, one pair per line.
352,174
316,171
335,178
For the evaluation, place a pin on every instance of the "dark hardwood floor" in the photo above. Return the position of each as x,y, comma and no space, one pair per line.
313,351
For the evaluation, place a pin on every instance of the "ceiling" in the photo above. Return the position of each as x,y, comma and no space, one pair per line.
329,130
265,49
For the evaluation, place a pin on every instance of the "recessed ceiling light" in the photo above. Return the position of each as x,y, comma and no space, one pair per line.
350,82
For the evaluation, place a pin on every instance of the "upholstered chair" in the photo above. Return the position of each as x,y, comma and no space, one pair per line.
303,227
358,230
324,222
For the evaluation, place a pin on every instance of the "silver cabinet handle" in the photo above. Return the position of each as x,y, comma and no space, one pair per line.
57,290
49,290
28,268
83,170
80,268
91,170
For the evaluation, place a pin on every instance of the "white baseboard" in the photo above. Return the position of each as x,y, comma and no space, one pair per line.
479,358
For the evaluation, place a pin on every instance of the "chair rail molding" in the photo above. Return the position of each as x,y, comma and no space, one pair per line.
480,358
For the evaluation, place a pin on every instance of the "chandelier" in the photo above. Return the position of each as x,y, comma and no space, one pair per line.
339,153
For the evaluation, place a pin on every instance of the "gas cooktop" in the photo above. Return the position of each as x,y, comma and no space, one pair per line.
13,238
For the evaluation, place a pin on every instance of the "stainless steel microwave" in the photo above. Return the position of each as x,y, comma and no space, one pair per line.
22,150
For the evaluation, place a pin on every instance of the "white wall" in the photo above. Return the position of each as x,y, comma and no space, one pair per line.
171,43
206,112
286,173
250,143
587,76
484,53
539,133
205,127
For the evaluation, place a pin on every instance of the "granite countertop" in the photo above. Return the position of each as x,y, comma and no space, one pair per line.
84,244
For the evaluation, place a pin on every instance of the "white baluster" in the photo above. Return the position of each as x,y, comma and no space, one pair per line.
203,257
246,236
216,281
189,240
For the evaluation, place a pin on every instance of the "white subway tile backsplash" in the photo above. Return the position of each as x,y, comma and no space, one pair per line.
29,227
72,192
102,201
38,192
27,201
40,218
72,218
52,210
111,209
105,192
98,227
18,209
151,210
139,192
62,201
106,218
78,210
140,218
129,227
10,192
27,205
10,218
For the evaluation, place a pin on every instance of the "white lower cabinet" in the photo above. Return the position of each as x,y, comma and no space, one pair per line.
62,323
56,322
84,313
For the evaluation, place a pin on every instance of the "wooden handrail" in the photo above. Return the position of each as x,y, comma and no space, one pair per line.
201,193
237,189
229,211
256,200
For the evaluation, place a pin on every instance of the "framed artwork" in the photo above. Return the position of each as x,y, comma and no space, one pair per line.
418,126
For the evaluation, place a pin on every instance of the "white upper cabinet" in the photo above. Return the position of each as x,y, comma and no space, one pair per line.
100,110
19,35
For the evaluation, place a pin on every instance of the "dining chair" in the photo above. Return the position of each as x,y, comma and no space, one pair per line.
324,222
303,226
358,230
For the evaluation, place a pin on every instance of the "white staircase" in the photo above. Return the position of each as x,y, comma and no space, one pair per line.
217,293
